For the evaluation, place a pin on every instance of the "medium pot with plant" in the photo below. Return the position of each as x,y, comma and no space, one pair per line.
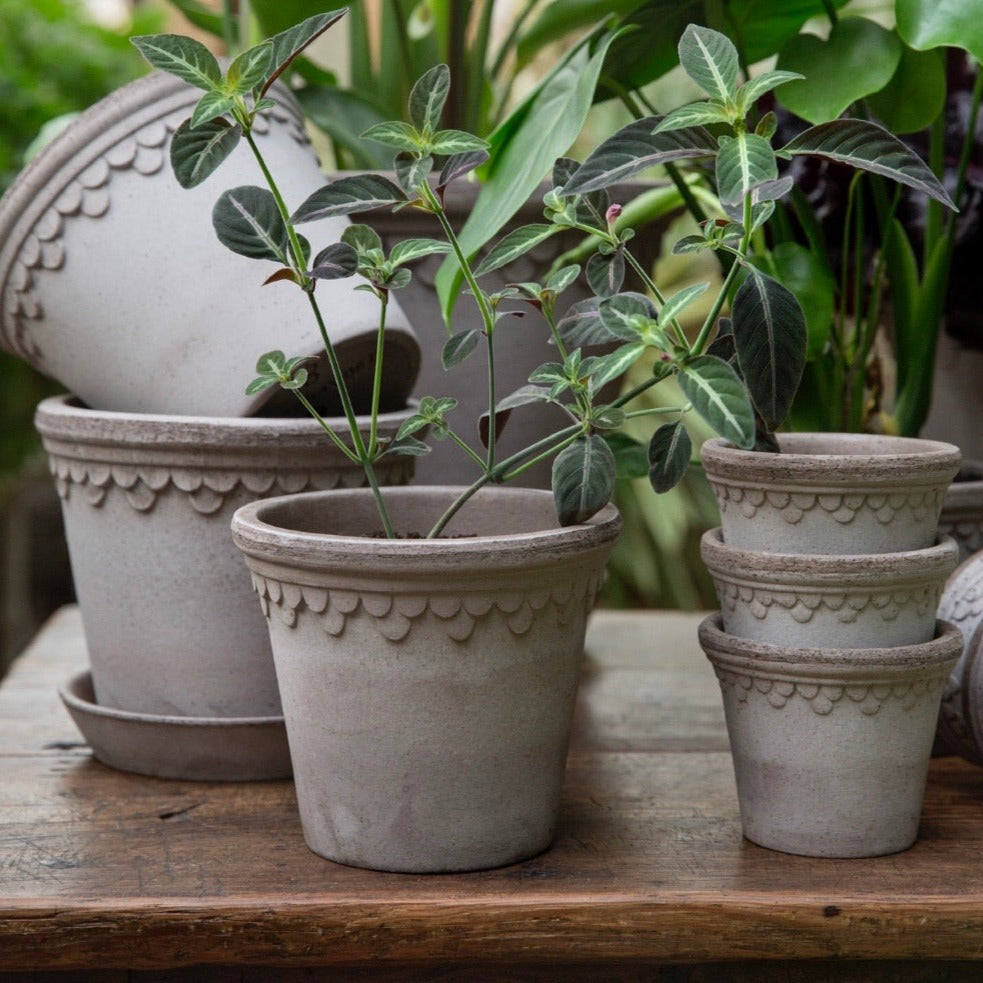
428,641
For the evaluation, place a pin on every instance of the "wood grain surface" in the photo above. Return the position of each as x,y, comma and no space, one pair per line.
101,870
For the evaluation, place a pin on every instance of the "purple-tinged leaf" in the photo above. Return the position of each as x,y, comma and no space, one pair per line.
669,455
457,165
348,195
291,42
335,262
197,151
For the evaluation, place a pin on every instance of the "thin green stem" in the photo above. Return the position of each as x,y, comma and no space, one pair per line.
546,455
377,375
466,447
550,318
627,397
338,442
658,411
492,402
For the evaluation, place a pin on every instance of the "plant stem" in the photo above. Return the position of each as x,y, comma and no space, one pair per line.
490,457
658,411
545,455
377,375
650,285
339,443
466,447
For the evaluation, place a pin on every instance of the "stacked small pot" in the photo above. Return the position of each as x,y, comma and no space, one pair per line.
829,570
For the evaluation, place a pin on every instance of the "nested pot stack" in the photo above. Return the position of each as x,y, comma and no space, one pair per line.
829,571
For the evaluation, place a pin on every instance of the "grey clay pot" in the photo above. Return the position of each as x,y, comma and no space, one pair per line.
428,685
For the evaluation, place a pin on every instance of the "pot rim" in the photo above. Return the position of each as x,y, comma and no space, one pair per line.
858,664
828,570
877,460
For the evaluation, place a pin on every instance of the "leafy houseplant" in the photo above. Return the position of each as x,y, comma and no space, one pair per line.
514,587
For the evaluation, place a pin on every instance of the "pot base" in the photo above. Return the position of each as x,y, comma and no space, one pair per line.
204,749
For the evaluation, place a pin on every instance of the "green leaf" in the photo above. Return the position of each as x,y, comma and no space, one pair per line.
459,346
397,279
197,151
362,239
709,58
402,136
669,453
868,147
719,396
291,42
411,171
250,69
448,143
261,384
602,369
626,315
582,325
457,165
755,88
412,425
563,278
635,148
606,274
503,411
941,23
744,161
583,479
630,457
335,262
771,338
410,250
695,114
184,57
348,195
407,446
679,301
210,106
915,96
858,58
513,245
247,221
427,98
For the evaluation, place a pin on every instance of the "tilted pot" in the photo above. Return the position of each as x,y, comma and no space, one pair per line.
428,685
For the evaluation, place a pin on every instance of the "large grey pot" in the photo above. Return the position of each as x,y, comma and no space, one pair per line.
962,510
816,600
428,685
830,746
170,620
831,493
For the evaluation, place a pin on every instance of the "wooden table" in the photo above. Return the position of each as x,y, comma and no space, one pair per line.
649,878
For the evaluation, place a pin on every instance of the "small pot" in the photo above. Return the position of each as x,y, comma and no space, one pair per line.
962,509
831,493
831,746
113,282
813,600
428,685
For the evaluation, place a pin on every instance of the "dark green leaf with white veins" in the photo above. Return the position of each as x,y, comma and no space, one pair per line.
460,164
410,250
291,42
362,238
335,262
458,347
411,171
670,450
606,274
679,301
184,57
582,325
602,369
695,114
513,245
636,147
709,58
427,98
197,151
348,195
448,143
250,68
771,338
867,147
247,221
210,106
718,395
583,479
625,315
743,162
392,133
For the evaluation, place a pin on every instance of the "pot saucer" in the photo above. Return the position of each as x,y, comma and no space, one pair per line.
209,749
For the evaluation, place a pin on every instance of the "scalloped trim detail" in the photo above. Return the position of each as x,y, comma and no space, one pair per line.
968,534
803,606
205,488
915,506
393,615
822,698
88,196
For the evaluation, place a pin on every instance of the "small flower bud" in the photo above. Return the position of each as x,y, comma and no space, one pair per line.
611,215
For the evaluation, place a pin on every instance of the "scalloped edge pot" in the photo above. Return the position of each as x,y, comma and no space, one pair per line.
428,684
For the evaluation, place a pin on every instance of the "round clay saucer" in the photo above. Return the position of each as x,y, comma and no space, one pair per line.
208,749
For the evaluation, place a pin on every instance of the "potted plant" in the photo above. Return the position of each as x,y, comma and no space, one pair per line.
421,614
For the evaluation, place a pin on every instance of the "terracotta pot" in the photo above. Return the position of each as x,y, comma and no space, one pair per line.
170,621
827,601
830,746
831,493
113,282
428,685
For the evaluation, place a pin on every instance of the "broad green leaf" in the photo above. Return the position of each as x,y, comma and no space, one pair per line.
563,278
184,57
411,171
407,446
427,98
503,411
608,418
709,58
606,274
458,165
348,195
583,479
412,425
771,338
679,301
744,161
695,114
398,279
513,245
858,58
719,396
247,221
562,17
197,151
362,238
691,244
335,262
630,457
755,88
603,369
210,106
402,136
915,95
459,346
627,315
941,23
344,116
669,453
261,384
410,250
291,42
250,68
448,143
868,147
635,148
582,325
